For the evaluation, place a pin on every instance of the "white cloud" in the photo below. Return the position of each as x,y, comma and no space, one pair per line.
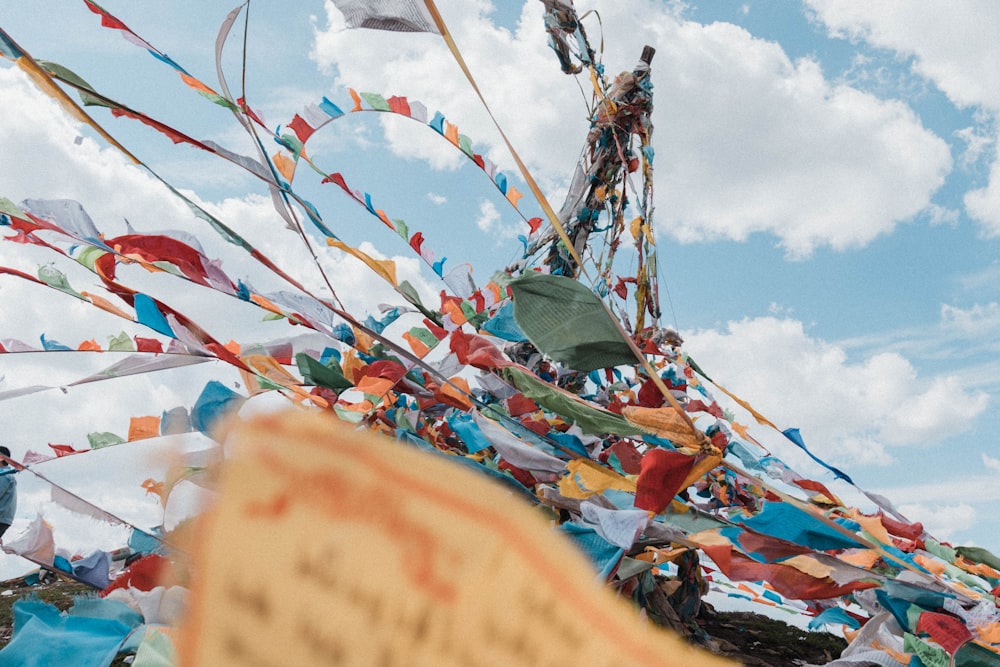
946,38
976,142
489,216
986,278
42,159
777,309
965,488
965,338
514,70
862,451
749,140
939,215
849,411
765,144
984,204
490,222
976,321
437,199
991,463
950,47
942,521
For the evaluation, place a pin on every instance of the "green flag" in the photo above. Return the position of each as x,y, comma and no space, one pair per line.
567,321
591,419
315,373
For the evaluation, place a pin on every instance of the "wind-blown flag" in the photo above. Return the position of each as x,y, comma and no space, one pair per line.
35,543
397,15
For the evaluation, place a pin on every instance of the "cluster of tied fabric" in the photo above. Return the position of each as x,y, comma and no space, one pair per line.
136,614
604,424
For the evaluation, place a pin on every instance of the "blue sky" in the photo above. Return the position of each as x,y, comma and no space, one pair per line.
827,192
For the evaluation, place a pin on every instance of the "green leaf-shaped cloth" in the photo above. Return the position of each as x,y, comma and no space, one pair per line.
567,321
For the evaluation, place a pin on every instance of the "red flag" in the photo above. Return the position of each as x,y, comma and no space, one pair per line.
948,631
302,129
63,450
660,479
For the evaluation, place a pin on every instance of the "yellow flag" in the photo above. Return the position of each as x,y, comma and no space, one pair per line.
385,268
586,478
664,422
354,549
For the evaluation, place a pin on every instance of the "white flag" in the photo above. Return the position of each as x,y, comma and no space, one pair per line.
397,15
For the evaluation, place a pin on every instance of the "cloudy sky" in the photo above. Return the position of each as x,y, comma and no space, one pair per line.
827,208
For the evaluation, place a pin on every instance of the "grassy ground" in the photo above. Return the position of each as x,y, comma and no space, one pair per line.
759,640
59,593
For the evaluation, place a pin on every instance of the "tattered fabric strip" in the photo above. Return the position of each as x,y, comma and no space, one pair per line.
110,21
44,80
314,113
416,110
132,365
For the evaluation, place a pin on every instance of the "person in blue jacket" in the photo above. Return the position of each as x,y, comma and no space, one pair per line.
8,492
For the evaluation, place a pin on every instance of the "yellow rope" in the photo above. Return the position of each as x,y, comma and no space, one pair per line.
535,190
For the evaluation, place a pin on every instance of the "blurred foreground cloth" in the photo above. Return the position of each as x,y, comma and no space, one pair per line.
358,549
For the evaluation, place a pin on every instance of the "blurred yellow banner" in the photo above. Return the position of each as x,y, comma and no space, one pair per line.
330,547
